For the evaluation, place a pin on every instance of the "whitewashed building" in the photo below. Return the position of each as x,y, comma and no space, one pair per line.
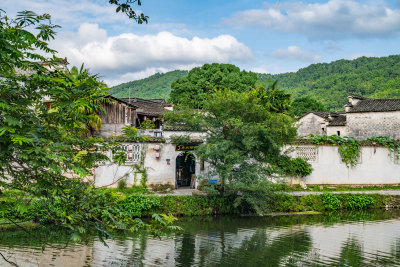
363,118
161,161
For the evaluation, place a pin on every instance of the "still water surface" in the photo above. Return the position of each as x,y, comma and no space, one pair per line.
370,238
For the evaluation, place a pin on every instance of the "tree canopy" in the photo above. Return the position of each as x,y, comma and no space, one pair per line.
328,83
200,82
245,132
331,83
302,105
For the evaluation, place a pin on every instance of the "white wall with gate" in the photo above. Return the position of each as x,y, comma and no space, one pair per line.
159,160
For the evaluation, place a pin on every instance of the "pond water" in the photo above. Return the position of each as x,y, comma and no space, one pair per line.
369,238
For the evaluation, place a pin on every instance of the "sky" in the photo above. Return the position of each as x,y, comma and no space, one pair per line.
261,36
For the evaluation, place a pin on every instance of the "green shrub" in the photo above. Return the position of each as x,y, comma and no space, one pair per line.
331,201
135,204
359,201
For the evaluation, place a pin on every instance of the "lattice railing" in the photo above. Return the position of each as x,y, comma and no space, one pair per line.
308,153
133,153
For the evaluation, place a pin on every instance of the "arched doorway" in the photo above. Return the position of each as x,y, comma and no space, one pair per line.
185,170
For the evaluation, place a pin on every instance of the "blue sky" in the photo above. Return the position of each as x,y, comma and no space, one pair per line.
262,36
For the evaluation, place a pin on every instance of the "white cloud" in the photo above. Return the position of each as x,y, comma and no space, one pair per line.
296,53
334,19
116,56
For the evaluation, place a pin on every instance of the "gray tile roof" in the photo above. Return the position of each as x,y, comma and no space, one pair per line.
333,118
324,115
376,105
337,119
154,107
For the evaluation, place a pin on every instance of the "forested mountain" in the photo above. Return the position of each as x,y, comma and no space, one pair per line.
329,83
155,86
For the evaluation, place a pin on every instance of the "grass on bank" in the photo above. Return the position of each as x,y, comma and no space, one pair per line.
6,225
136,202
332,188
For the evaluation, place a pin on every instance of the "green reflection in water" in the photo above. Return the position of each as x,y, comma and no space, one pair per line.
232,241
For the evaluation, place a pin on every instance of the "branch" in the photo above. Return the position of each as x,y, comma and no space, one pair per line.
10,262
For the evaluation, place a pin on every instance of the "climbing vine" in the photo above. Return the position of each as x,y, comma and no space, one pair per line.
140,168
387,142
349,148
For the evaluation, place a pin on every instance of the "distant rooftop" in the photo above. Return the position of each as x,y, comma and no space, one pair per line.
375,105
150,107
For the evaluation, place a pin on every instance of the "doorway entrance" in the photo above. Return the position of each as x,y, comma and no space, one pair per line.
185,170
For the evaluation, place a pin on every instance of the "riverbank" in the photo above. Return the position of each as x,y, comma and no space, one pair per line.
282,202
144,205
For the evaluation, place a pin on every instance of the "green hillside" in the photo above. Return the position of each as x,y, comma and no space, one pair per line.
329,83
155,86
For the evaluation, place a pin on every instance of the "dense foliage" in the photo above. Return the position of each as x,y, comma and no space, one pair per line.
142,205
302,105
245,134
200,82
331,83
155,86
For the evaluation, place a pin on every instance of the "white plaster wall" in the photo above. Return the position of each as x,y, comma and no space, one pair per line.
158,170
377,166
370,124
311,124
332,130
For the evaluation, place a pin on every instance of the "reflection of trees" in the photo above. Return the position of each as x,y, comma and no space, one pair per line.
351,253
38,237
187,250
391,259
138,254
260,250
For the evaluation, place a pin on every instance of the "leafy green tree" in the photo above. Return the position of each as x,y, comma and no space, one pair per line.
302,105
195,88
45,149
245,134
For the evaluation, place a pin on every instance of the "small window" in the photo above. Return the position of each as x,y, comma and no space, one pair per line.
323,129
338,133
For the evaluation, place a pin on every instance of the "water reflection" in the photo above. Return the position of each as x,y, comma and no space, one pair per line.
351,239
